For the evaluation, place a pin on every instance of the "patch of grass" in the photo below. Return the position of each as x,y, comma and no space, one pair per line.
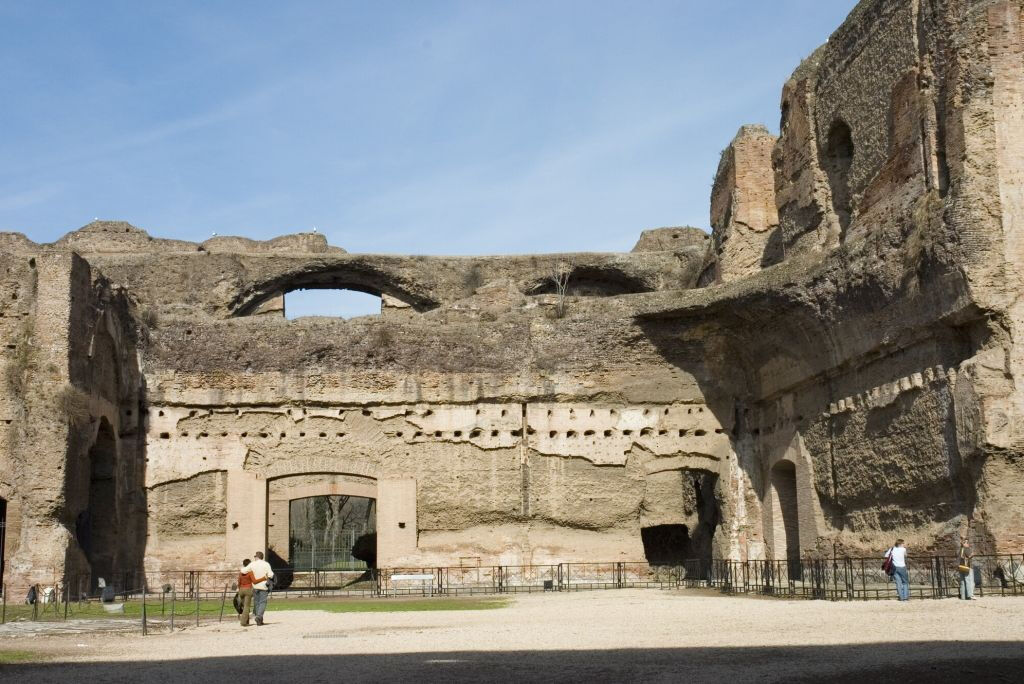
73,403
183,608
11,657
389,605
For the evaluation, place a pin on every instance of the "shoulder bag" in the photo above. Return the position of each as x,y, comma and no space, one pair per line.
887,564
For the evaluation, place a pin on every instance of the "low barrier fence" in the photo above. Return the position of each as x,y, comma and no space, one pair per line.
166,598
856,578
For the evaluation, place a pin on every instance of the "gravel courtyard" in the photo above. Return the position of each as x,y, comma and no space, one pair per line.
626,635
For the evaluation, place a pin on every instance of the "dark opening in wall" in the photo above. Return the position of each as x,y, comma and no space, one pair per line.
3,536
666,544
97,527
785,513
837,159
325,532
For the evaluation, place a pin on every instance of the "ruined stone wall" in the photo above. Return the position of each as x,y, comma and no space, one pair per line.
835,366
743,212
67,367
881,353
527,438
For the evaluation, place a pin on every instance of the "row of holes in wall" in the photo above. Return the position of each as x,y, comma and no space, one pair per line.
504,412
478,432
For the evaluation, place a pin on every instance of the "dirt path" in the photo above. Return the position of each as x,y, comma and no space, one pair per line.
599,636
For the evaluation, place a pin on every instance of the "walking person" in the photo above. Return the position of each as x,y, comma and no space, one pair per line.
261,573
898,555
245,582
965,566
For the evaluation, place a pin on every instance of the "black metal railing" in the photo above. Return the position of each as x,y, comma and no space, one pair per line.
186,596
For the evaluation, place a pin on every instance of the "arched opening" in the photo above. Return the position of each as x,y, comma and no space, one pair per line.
97,526
322,521
785,525
837,159
325,531
666,544
392,289
591,281
337,303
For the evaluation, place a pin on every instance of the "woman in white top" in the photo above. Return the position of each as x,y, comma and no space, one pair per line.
898,554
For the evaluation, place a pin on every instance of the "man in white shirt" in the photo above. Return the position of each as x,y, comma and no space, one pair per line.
260,591
898,554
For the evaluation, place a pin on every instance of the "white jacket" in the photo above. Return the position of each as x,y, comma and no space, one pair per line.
261,568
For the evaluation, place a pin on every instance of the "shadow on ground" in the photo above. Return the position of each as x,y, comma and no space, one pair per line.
909,662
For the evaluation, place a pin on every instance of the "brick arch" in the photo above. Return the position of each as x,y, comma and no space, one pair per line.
357,274
321,465
366,489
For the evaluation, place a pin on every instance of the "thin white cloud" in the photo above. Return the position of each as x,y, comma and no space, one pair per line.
25,199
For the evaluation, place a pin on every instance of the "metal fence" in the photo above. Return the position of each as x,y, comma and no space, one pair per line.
132,610
856,578
164,599
325,560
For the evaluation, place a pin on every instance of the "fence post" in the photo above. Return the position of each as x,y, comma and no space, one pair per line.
197,604
223,600
66,598
3,615
174,596
144,609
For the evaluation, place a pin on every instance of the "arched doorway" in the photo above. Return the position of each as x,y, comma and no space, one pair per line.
785,520
97,526
323,531
318,520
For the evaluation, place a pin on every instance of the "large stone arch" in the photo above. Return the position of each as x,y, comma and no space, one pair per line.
358,274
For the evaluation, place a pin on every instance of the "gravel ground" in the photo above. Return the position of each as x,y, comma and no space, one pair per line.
625,635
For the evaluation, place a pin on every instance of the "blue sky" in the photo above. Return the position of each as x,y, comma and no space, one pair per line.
413,127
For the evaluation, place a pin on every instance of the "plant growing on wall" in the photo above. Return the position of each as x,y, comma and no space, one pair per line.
560,274
73,404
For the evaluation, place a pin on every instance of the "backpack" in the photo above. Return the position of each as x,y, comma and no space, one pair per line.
887,564
31,597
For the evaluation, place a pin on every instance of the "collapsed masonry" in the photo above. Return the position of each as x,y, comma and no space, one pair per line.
836,364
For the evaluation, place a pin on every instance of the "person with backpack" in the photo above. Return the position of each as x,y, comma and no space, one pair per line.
896,566
965,566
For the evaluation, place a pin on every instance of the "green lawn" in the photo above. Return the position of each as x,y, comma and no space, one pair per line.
132,609
210,608
11,657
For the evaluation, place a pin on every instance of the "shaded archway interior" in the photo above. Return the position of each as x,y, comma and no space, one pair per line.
97,525
785,512
592,281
